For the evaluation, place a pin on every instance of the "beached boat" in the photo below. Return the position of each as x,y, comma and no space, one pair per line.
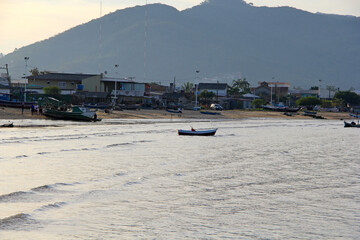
210,132
210,113
351,124
15,104
7,125
77,113
173,111
280,108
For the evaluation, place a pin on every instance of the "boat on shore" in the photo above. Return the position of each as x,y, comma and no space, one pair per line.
210,113
193,132
16,104
75,113
280,108
7,125
351,124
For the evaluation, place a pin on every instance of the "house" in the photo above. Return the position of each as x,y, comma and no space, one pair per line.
243,102
68,83
174,100
300,93
271,91
126,91
220,89
4,92
125,87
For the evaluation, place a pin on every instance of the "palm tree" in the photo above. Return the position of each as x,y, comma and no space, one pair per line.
240,86
187,87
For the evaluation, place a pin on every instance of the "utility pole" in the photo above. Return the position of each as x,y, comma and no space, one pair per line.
116,73
174,85
26,59
7,73
196,87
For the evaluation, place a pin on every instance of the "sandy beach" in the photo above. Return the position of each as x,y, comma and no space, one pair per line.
15,113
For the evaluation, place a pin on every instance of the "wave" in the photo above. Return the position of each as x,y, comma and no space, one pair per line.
117,144
131,183
120,174
42,188
51,206
23,195
14,196
16,222
43,153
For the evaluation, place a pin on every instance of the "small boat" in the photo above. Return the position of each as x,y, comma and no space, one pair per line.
7,125
280,108
76,113
193,132
210,113
351,124
173,111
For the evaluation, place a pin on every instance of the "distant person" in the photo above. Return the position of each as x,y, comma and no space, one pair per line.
32,109
22,108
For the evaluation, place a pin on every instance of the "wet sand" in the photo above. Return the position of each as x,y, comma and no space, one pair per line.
15,113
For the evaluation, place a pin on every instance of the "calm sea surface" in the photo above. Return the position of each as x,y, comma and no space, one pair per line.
256,179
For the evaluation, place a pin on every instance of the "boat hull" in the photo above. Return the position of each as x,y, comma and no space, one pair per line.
75,116
351,124
197,133
210,113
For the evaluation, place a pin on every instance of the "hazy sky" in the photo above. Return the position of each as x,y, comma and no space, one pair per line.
23,22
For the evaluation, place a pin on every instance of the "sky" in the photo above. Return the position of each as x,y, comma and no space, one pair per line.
23,22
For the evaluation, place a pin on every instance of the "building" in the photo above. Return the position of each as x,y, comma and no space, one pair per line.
220,89
68,83
271,91
4,91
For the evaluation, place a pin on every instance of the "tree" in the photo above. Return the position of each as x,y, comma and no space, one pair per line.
240,86
257,103
53,90
309,102
187,87
348,97
206,96
35,72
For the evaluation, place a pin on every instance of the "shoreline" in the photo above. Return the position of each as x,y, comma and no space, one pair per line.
15,114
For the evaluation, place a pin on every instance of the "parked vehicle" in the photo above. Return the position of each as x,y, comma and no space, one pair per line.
216,106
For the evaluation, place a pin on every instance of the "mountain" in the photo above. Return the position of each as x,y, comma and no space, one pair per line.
223,39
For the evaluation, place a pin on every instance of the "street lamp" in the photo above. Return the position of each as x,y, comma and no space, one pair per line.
116,73
196,87
26,59
319,87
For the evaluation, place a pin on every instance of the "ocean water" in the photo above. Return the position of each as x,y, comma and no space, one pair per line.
137,179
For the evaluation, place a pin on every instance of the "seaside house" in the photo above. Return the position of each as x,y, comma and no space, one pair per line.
126,91
4,90
68,83
219,89
271,91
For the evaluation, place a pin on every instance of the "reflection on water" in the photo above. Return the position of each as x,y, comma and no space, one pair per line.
255,179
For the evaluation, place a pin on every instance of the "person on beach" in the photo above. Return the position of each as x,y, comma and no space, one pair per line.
22,108
32,109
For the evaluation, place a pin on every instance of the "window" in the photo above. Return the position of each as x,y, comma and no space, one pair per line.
62,84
